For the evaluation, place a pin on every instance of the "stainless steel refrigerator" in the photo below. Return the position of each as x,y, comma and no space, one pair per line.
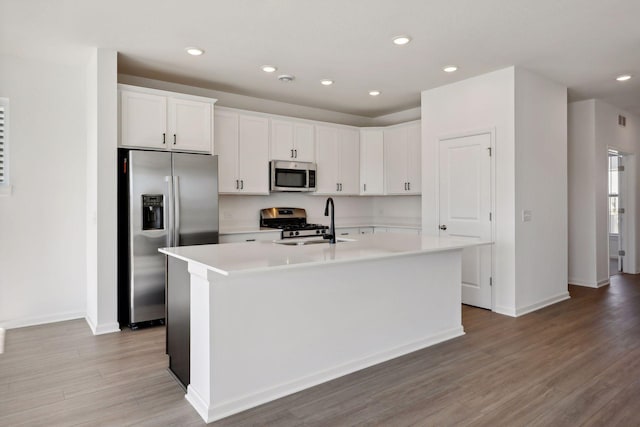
165,199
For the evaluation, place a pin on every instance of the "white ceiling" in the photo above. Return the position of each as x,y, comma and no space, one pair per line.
583,44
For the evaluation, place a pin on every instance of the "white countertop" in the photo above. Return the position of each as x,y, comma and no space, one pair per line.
259,256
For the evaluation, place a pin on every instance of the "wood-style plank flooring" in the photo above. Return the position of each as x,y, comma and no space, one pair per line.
574,363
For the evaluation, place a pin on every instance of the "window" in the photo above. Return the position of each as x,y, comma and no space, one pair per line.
614,162
4,146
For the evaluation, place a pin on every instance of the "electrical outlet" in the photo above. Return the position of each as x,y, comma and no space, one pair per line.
527,215
226,215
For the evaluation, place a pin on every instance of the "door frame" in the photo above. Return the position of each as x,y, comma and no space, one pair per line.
491,131
629,223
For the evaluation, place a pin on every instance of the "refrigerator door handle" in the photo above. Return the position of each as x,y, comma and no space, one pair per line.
170,210
176,207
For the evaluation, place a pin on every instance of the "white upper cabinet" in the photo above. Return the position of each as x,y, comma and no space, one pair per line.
190,125
164,120
402,159
371,162
291,140
242,146
143,120
338,160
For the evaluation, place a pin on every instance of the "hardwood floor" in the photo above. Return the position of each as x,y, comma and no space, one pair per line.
574,363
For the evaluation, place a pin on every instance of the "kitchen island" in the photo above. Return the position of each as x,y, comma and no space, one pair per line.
269,319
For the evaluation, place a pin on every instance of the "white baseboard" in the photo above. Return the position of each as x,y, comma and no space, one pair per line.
225,409
41,320
521,311
588,284
507,311
104,328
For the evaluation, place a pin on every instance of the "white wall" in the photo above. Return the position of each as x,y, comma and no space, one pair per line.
528,117
42,240
101,213
627,140
540,187
582,214
478,104
593,129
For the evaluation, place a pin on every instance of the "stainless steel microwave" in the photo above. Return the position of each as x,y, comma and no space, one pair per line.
292,176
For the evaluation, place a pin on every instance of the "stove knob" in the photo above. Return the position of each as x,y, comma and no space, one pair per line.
291,233
297,232
317,231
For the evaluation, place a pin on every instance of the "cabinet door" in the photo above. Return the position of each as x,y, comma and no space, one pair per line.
253,154
371,162
349,161
190,125
143,120
303,145
281,140
414,158
395,160
226,147
327,160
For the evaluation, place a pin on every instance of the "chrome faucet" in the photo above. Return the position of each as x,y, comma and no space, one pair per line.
332,229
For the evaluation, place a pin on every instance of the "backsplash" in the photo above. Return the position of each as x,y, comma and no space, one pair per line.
237,211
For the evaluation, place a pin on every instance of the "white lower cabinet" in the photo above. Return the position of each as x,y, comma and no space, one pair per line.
353,231
249,237
401,230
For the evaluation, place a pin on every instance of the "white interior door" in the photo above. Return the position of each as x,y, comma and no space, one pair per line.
465,208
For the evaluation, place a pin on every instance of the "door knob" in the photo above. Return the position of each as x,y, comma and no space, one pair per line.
443,227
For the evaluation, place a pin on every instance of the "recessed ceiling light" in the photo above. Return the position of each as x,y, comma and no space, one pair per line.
374,92
268,68
286,78
623,78
326,82
450,68
195,51
401,40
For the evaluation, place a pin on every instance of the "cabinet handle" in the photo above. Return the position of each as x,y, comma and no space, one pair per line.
337,187
340,186
296,153
292,153
237,184
242,184
164,138
174,139
409,186
365,187
405,186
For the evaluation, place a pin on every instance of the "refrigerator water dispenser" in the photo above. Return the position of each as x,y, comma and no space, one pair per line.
152,212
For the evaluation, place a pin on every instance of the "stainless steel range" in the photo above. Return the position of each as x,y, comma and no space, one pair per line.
292,222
